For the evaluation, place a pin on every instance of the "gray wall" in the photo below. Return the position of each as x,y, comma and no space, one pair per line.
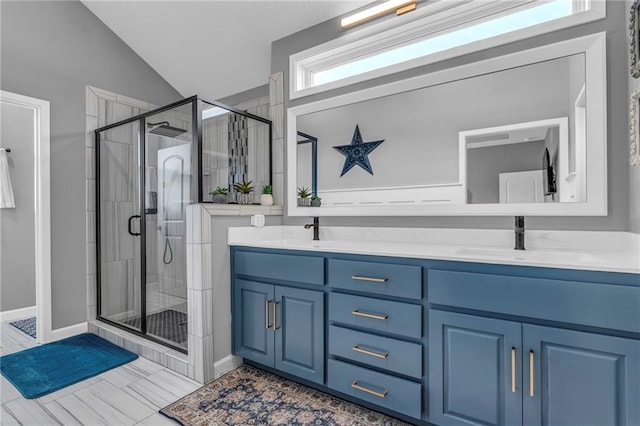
634,172
51,51
247,95
485,164
17,236
617,88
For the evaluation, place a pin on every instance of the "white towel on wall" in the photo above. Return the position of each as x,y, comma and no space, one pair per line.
6,190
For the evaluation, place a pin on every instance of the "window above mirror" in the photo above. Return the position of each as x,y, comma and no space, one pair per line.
438,30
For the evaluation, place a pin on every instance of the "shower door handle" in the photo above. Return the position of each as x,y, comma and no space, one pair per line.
131,228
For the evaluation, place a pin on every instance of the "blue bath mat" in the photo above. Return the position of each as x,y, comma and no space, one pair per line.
27,326
38,371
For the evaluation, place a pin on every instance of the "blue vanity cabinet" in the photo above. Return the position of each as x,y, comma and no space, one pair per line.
253,321
487,370
299,332
577,378
495,372
443,342
375,348
474,370
275,321
280,327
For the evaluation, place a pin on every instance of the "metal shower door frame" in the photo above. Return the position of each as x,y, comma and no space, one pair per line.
196,194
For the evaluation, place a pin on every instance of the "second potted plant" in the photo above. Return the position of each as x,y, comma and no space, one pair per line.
266,199
244,190
303,196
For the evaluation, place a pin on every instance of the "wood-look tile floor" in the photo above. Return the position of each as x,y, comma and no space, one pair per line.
128,395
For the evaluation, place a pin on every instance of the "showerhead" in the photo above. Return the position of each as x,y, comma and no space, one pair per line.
164,129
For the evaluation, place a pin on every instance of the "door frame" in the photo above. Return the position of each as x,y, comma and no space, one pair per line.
42,201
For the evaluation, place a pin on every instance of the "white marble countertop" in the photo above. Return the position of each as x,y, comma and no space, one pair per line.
582,250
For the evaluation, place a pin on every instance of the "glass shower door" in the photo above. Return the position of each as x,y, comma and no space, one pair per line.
119,247
146,180
168,186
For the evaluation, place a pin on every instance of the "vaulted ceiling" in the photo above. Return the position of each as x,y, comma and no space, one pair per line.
212,48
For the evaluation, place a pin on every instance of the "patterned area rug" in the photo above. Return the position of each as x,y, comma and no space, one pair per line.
170,325
249,396
27,326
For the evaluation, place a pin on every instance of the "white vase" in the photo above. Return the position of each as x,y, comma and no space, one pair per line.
266,199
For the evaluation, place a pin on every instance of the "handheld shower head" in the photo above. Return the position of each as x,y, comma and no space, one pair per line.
164,129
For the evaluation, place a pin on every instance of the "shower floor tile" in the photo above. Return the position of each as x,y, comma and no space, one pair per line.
169,325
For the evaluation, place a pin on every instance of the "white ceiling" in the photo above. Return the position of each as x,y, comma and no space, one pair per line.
212,48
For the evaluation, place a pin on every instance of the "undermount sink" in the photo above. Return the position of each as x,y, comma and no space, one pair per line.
530,255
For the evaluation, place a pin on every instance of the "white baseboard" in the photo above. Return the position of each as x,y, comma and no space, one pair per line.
226,364
72,330
16,314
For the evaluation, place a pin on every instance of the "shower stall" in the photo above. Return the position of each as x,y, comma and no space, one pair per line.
149,168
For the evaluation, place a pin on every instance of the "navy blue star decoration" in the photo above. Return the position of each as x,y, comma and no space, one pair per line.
357,152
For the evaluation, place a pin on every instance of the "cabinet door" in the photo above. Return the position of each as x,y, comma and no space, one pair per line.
580,378
253,321
474,370
299,335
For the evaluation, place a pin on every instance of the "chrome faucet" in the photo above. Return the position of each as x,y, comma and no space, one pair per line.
316,228
519,233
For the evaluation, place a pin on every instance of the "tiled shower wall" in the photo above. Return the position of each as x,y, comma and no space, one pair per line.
248,142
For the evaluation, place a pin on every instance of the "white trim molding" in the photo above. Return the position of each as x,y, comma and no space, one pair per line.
42,197
72,330
431,19
594,49
16,314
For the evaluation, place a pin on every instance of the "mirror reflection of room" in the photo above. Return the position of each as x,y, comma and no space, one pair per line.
479,140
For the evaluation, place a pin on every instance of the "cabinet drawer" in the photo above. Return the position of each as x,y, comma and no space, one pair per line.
389,354
288,267
593,304
379,278
381,389
382,315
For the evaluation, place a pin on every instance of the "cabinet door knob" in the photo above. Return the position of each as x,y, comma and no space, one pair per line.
275,316
368,315
531,386
266,314
374,280
355,385
372,353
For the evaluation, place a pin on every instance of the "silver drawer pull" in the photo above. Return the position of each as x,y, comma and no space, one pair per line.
355,385
374,280
368,315
372,353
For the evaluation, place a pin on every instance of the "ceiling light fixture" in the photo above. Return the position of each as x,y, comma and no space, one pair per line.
400,6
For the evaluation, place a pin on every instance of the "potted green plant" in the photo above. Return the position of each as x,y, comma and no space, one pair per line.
220,195
304,195
266,199
244,190
316,201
